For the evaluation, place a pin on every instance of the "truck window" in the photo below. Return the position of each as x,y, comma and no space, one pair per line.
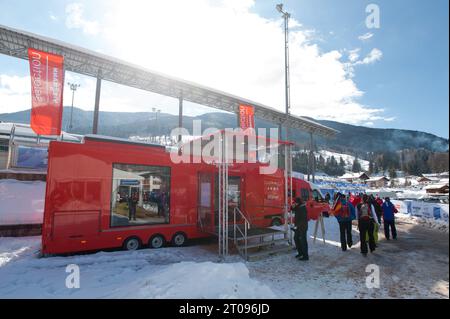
316,195
140,195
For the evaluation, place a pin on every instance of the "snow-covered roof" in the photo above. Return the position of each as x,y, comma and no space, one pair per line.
353,175
436,186
376,179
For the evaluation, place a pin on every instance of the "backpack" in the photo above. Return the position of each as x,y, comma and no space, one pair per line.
364,212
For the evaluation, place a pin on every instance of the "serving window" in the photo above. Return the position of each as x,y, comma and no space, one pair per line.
140,195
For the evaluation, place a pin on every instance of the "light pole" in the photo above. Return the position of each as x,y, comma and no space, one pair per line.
73,87
156,112
286,17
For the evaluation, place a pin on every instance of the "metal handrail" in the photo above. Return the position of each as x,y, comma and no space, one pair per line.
246,227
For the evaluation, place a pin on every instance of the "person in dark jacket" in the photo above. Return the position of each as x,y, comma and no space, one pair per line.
367,218
301,229
389,212
132,202
345,215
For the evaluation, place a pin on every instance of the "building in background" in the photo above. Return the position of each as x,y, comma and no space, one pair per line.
377,182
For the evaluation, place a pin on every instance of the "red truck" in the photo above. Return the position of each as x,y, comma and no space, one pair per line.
311,195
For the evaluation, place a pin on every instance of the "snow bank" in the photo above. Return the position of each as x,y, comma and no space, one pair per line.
203,280
21,202
432,215
11,248
187,272
439,225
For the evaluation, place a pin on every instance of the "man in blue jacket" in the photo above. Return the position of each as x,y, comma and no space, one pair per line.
389,212
344,216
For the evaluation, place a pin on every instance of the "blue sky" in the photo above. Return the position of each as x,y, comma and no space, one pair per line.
396,78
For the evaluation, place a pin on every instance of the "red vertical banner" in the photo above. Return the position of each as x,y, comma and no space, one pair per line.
246,117
247,124
47,84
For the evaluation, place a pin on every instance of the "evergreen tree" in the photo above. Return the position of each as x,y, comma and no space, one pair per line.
356,167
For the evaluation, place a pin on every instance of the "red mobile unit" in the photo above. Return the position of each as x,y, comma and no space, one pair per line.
113,193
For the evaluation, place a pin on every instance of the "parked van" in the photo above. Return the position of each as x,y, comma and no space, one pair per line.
312,196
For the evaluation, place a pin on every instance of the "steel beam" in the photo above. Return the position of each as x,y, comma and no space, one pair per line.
15,43
97,104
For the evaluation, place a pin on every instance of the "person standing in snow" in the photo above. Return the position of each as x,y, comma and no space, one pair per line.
376,204
367,218
389,212
301,229
344,212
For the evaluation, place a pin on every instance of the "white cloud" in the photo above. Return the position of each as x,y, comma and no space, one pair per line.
226,46
53,17
75,19
372,57
14,93
353,55
365,36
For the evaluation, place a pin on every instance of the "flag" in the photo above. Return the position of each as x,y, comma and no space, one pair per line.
246,117
337,207
47,83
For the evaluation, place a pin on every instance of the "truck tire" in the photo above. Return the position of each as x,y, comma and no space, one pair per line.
156,241
179,239
132,243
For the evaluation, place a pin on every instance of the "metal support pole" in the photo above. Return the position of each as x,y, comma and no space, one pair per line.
286,186
286,71
312,158
71,111
219,230
180,114
97,104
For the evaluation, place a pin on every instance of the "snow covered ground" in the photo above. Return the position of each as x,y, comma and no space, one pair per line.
21,202
348,159
439,225
415,266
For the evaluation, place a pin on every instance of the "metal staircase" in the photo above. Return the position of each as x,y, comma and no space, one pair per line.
250,241
254,243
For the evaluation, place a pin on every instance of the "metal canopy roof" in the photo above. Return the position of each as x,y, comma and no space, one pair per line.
16,43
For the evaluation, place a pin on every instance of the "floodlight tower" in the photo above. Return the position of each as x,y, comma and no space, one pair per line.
286,17
73,87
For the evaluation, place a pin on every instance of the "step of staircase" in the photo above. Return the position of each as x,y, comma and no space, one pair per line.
255,232
262,244
270,251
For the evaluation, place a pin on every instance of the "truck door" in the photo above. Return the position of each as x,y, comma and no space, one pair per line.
234,197
205,202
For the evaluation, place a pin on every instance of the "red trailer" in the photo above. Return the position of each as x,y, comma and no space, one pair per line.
111,193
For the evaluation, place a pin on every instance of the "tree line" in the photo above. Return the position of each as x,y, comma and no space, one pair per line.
411,161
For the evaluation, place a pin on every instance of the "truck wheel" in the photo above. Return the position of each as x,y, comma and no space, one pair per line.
179,239
276,222
132,243
156,241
